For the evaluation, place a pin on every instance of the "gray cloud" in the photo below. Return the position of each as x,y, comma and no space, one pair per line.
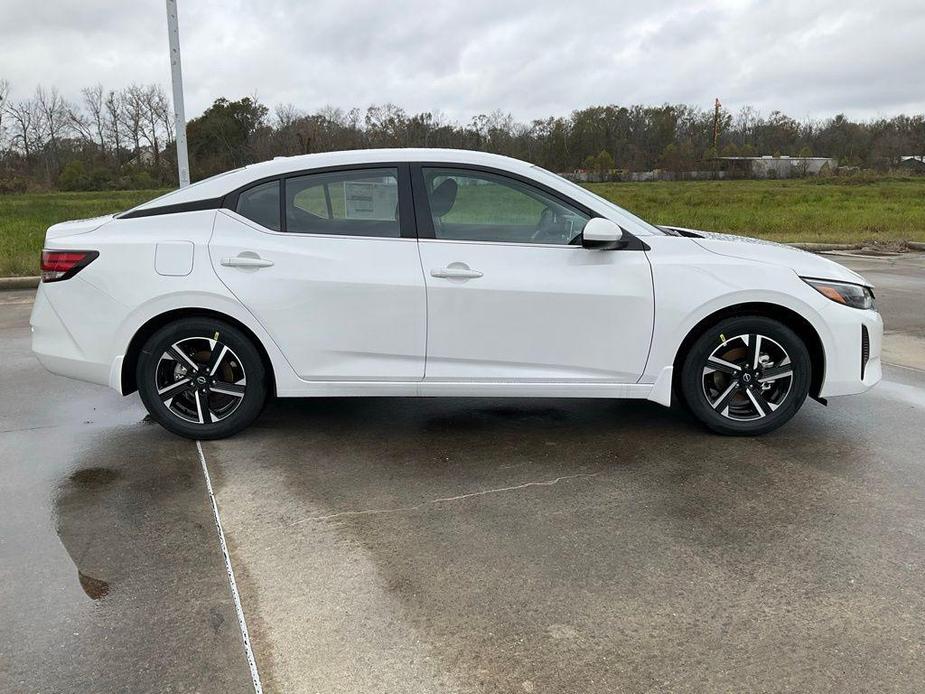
532,58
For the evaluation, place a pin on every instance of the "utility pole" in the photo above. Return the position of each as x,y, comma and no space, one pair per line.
176,76
716,139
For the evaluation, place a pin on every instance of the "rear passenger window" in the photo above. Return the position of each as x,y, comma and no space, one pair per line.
261,204
344,203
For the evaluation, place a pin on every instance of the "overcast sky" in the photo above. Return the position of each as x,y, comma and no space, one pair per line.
531,58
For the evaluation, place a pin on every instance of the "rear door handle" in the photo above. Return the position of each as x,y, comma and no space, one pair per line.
246,261
456,272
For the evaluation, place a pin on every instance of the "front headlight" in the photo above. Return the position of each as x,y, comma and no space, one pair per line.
854,295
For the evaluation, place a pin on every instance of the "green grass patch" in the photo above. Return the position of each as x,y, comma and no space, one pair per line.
25,217
809,210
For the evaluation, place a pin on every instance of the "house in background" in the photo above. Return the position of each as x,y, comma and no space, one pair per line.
913,163
776,167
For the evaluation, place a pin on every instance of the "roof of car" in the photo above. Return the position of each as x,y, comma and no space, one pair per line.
203,194
224,183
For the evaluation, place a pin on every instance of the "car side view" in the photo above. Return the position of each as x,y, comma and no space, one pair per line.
425,272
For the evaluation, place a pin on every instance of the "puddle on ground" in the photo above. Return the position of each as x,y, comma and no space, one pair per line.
94,476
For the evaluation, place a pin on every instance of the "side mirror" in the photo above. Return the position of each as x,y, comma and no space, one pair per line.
601,234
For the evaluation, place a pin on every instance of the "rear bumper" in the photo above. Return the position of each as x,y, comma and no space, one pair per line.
78,348
846,370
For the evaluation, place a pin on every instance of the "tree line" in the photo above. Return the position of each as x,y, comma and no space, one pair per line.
109,139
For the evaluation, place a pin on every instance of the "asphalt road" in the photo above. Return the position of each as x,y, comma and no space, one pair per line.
406,545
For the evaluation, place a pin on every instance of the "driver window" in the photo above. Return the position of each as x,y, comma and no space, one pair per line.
476,206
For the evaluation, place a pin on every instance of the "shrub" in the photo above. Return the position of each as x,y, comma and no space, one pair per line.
142,180
74,177
101,178
13,184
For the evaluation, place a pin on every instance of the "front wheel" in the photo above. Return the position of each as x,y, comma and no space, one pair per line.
201,378
746,376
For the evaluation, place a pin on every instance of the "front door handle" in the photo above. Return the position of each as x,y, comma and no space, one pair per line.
456,271
247,261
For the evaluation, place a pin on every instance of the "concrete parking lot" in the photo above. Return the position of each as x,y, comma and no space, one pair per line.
402,545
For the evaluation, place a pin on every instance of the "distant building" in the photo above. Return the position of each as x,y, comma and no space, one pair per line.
776,167
144,157
914,163
624,176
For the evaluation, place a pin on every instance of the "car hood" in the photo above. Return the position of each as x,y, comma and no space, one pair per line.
77,226
802,262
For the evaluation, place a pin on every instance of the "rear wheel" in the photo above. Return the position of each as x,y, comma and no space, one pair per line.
746,376
201,378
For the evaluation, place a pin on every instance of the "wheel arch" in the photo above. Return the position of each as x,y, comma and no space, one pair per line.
793,320
152,325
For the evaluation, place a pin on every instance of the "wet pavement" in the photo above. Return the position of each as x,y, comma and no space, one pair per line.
110,575
429,545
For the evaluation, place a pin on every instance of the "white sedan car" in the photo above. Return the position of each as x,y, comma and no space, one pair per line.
424,272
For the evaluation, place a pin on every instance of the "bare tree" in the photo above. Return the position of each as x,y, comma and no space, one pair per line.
27,134
285,115
112,119
132,115
154,112
166,115
93,101
54,115
80,123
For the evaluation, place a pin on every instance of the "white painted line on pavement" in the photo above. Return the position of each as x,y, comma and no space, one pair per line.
248,651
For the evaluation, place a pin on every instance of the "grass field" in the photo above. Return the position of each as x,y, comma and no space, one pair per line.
807,210
25,217
833,210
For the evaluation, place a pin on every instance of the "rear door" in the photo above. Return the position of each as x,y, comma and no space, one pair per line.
511,293
328,263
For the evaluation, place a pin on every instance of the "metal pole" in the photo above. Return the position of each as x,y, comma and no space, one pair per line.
176,76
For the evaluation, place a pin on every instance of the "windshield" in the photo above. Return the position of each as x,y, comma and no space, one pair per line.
638,220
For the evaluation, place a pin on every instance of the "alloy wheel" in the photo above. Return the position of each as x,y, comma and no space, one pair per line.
200,380
747,377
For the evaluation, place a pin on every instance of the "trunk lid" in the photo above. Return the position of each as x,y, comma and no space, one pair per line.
75,227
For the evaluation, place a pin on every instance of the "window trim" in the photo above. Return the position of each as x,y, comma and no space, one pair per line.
175,208
406,215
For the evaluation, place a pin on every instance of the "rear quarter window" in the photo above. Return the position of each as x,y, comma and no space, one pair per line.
261,204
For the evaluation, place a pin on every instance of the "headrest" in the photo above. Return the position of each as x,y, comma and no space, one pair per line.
443,197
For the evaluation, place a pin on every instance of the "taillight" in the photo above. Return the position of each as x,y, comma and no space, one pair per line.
62,265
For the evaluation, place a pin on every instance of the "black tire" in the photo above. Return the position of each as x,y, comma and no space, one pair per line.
728,400
171,384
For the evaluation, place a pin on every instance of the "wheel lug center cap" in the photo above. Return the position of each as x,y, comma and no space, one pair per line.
201,380
746,378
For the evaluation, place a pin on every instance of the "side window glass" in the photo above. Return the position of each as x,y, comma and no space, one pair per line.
352,203
261,204
476,206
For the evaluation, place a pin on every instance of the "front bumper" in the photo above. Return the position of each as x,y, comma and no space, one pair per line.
847,372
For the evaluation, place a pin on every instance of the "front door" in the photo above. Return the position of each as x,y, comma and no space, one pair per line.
335,278
512,295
